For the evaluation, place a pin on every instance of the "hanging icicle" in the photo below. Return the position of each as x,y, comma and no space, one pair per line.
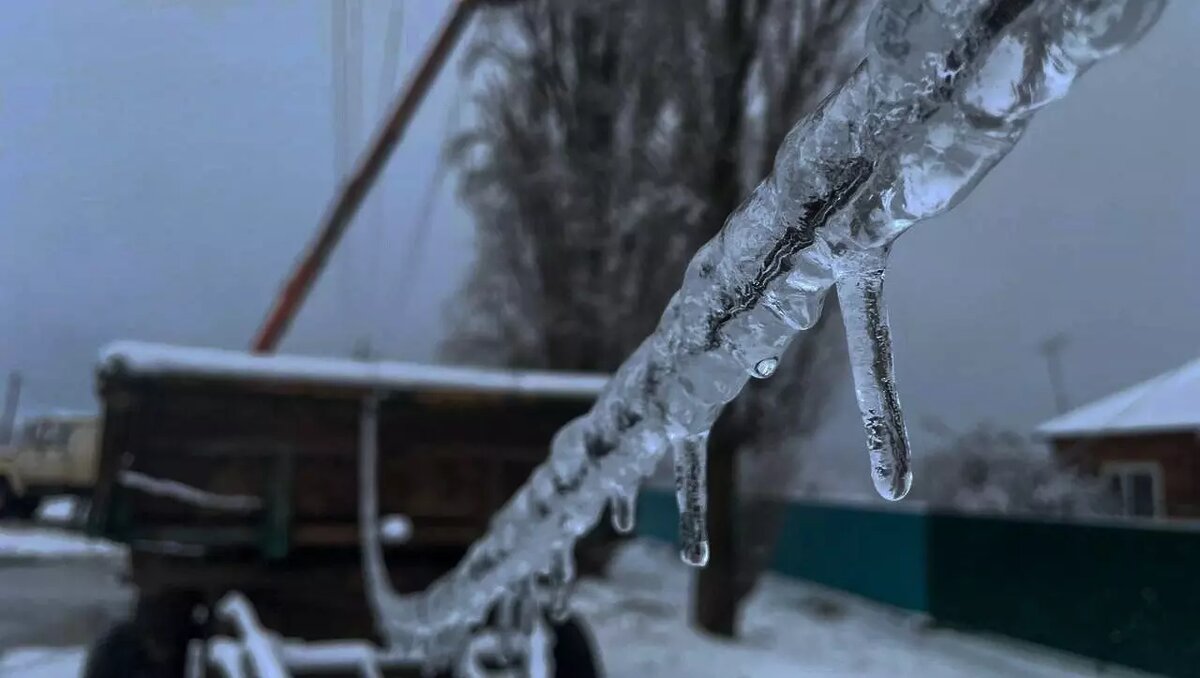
623,506
860,292
559,580
691,495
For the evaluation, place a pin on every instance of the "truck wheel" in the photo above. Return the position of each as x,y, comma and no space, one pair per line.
8,498
574,654
165,625
118,654
26,507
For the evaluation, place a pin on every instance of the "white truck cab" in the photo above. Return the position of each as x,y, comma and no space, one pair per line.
51,455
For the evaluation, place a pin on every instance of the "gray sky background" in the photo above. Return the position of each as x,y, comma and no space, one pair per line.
162,162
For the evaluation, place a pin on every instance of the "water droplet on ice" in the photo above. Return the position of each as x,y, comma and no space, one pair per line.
765,368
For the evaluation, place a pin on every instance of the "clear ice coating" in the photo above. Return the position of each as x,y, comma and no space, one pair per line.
947,89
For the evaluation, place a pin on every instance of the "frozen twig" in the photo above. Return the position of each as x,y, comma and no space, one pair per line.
225,656
268,656
339,656
259,646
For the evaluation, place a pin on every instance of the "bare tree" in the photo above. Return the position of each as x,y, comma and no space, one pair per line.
990,470
612,139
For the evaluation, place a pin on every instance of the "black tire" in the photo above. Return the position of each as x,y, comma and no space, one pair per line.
26,507
118,653
574,651
8,499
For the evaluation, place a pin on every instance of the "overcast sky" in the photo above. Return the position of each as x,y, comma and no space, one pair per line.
162,163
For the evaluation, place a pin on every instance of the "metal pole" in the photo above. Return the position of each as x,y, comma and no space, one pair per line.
1052,349
354,189
12,399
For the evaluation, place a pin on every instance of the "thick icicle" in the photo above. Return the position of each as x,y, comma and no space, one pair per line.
947,89
860,291
691,495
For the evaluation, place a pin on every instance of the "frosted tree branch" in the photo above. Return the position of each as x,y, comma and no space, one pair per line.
947,89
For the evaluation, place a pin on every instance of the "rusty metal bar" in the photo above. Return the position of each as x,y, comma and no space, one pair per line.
366,171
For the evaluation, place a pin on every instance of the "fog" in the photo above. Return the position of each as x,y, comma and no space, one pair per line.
162,164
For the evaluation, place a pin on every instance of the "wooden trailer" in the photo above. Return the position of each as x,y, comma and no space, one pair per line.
232,471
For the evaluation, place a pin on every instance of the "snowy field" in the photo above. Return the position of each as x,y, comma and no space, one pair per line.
21,542
790,629
58,590
50,537
42,663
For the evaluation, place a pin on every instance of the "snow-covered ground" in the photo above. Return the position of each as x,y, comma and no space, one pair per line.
52,535
38,662
789,629
24,541
57,588
58,510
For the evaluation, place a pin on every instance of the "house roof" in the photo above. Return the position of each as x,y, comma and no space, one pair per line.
139,358
1168,402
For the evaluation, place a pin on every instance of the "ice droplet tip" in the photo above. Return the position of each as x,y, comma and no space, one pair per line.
695,555
892,486
624,511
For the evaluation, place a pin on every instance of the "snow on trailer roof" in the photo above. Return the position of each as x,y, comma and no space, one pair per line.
1168,402
163,359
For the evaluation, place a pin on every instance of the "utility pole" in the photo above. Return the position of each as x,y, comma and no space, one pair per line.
8,417
362,177
1052,348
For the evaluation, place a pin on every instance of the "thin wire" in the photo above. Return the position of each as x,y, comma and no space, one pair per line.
393,45
418,234
342,143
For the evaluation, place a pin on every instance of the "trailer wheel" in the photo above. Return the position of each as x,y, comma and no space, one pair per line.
118,653
13,506
574,651
6,498
26,507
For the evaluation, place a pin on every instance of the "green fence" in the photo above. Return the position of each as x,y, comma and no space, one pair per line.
876,554
1121,593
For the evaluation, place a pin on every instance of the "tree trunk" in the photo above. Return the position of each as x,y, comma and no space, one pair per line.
718,594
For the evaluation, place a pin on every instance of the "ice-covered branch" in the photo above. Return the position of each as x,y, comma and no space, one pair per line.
266,655
945,92
260,649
